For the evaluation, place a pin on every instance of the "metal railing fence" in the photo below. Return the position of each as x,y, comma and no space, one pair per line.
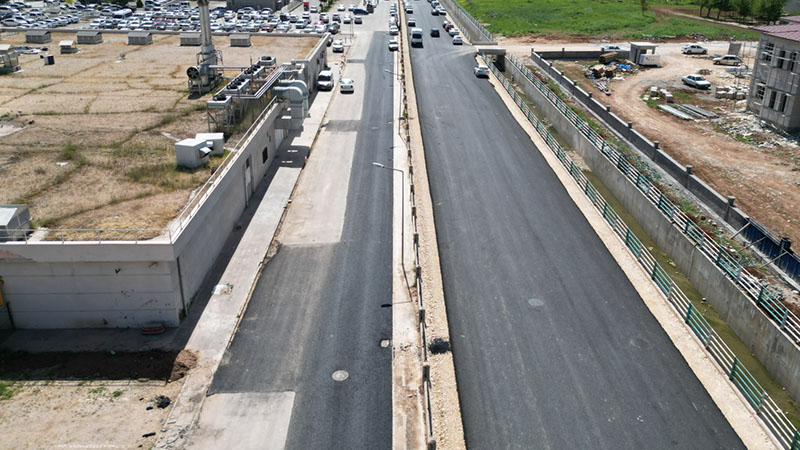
457,11
764,406
764,296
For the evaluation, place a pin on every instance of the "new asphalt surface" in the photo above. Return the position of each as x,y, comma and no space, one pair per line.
553,347
318,309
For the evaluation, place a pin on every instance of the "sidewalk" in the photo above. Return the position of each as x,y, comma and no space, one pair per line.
217,324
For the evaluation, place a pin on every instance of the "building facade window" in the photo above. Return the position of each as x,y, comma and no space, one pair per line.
760,91
781,59
782,106
772,96
791,62
766,54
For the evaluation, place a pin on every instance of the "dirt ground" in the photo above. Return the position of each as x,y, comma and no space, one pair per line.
88,142
89,399
761,169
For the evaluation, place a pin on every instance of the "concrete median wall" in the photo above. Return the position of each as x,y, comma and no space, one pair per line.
761,335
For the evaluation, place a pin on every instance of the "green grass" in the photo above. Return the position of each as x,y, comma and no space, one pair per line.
619,19
767,381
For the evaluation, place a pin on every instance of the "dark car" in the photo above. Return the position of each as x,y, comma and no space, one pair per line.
360,11
434,32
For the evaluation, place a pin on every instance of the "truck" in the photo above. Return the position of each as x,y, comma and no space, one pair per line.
306,5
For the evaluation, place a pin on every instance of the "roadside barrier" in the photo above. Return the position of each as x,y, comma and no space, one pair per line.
764,296
418,285
766,408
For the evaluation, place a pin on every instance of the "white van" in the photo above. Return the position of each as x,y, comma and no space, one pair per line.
416,37
325,80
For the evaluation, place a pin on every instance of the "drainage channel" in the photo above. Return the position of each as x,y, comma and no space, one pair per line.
762,375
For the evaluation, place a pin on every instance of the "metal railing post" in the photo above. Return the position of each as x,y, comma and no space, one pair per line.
734,366
689,313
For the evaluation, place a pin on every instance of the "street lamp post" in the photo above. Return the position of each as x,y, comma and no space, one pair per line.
402,214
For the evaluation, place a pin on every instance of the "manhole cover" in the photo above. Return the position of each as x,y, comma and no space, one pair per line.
536,302
385,343
340,375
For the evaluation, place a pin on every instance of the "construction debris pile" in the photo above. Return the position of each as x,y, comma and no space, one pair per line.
731,92
685,111
747,127
602,74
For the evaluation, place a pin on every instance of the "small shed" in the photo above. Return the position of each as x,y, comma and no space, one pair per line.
192,153
90,37
67,47
9,61
15,221
240,39
190,40
639,54
38,37
140,38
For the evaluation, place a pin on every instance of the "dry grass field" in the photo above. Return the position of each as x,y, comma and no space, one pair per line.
88,142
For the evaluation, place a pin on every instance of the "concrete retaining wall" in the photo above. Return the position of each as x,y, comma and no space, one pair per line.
716,202
769,344
130,284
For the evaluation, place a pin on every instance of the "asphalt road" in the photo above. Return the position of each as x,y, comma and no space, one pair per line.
320,308
553,347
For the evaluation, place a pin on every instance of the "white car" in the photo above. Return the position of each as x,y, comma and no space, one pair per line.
393,31
457,40
351,7
346,85
393,45
481,71
728,60
693,49
337,47
696,81
453,31
346,19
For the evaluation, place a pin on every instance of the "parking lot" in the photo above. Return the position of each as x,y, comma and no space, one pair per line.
160,15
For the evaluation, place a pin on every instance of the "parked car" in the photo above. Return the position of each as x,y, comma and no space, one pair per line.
346,85
325,80
357,20
434,32
693,49
611,48
393,31
481,71
728,60
453,31
340,8
338,46
457,40
696,81
393,45
360,11
346,19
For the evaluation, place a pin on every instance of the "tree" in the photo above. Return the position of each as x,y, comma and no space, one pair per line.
139,4
743,7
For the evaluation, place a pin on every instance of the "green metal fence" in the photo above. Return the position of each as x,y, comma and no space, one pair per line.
764,296
748,386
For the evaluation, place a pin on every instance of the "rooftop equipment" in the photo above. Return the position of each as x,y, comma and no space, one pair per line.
15,221
240,40
89,37
140,38
191,39
192,153
214,141
68,47
9,60
38,37
204,76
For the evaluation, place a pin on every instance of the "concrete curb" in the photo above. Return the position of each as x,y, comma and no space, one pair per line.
725,396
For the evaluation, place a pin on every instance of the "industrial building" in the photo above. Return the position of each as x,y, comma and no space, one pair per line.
774,87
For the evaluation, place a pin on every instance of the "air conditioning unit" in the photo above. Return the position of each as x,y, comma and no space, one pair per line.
192,153
649,59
